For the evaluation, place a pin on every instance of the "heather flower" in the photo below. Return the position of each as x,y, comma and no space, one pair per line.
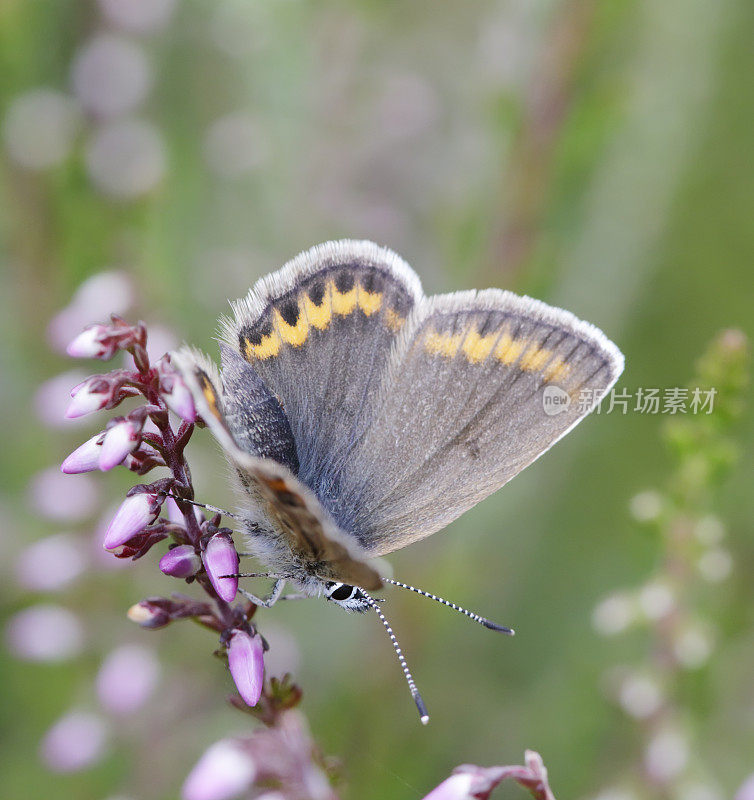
84,458
59,498
135,513
75,742
456,787
53,397
220,559
127,679
44,633
120,440
112,290
93,342
175,392
181,561
469,782
148,615
224,771
91,395
50,564
246,664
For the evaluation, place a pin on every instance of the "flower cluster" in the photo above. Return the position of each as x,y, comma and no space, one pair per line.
469,782
145,438
676,606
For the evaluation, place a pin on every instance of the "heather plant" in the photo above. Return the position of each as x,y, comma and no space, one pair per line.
280,755
676,608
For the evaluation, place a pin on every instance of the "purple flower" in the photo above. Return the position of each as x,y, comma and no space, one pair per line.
89,396
51,564
175,392
111,290
84,458
456,787
75,742
127,678
44,633
148,615
224,771
220,558
135,513
246,664
120,440
57,497
53,397
181,562
468,781
93,342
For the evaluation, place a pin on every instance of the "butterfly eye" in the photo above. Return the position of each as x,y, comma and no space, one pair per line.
340,591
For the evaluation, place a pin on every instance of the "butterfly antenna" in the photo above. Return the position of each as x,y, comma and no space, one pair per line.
470,614
423,715
205,506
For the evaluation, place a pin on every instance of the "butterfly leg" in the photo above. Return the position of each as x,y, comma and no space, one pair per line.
272,597
297,596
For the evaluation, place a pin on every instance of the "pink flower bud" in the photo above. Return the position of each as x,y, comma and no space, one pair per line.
84,458
44,633
91,395
181,562
93,342
175,392
148,615
127,678
246,664
456,787
76,741
134,514
120,440
51,564
223,772
220,558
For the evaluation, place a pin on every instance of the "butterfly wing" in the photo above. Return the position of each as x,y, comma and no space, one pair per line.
297,518
319,333
461,409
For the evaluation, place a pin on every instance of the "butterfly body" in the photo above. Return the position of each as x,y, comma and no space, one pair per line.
359,415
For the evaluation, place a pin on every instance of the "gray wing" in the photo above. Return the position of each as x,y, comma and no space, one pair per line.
477,387
319,333
288,509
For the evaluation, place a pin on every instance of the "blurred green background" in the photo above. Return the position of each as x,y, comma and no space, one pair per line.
594,154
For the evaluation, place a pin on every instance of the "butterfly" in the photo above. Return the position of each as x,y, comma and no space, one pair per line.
359,415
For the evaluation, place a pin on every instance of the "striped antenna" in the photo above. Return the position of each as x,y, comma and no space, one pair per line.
423,715
204,505
470,614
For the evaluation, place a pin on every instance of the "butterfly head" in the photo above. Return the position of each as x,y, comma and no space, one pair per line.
351,598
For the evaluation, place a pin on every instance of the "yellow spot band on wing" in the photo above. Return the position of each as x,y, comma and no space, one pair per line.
320,315
524,353
369,302
393,320
208,390
268,347
292,334
556,370
476,348
509,349
535,358
343,303
443,344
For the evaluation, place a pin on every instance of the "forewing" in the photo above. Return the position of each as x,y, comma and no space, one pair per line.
289,507
462,409
319,333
